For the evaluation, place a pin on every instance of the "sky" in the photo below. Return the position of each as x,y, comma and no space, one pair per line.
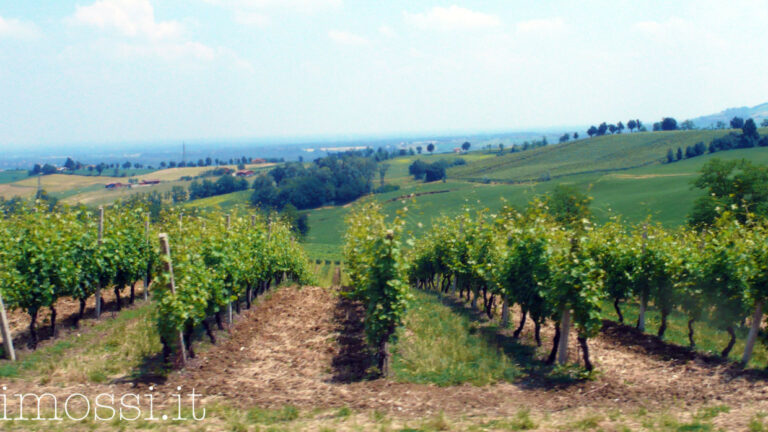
115,71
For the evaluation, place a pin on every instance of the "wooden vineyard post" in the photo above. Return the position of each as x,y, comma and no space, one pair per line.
229,305
7,339
100,241
146,276
166,250
565,327
336,277
757,319
643,300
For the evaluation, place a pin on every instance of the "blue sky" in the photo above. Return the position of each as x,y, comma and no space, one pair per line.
148,70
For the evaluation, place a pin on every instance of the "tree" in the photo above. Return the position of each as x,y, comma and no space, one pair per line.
679,155
602,129
297,221
612,128
720,124
418,149
668,124
430,148
568,205
764,123
48,169
687,125
434,172
575,135
417,169
265,193
501,148
670,156
750,129
70,164
620,127
466,145
565,137
735,185
631,125
382,173
592,131
179,194
737,123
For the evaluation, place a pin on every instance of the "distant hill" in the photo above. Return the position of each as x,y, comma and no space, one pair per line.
591,155
758,113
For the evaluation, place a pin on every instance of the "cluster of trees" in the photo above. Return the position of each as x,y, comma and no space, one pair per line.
224,185
567,137
748,138
526,145
430,172
617,128
335,179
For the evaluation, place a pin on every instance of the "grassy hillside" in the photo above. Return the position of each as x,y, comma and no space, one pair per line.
662,191
591,155
10,176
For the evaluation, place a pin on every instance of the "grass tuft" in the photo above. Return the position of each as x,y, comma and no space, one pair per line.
437,345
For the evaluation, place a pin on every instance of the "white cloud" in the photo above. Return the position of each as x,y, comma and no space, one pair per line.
133,18
16,29
547,25
258,12
451,18
296,5
387,31
346,38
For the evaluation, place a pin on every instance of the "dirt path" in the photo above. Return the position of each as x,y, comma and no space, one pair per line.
302,347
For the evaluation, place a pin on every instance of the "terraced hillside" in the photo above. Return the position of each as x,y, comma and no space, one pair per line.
592,155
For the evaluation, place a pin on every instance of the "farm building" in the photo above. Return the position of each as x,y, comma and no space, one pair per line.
244,173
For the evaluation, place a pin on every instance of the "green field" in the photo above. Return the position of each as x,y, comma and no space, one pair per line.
11,176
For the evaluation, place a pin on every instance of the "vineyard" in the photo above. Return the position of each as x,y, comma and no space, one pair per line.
511,302
566,273
197,268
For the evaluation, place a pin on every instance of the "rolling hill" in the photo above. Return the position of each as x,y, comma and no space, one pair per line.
606,153
758,113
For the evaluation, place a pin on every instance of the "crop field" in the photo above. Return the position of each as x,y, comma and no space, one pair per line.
54,183
100,195
170,174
